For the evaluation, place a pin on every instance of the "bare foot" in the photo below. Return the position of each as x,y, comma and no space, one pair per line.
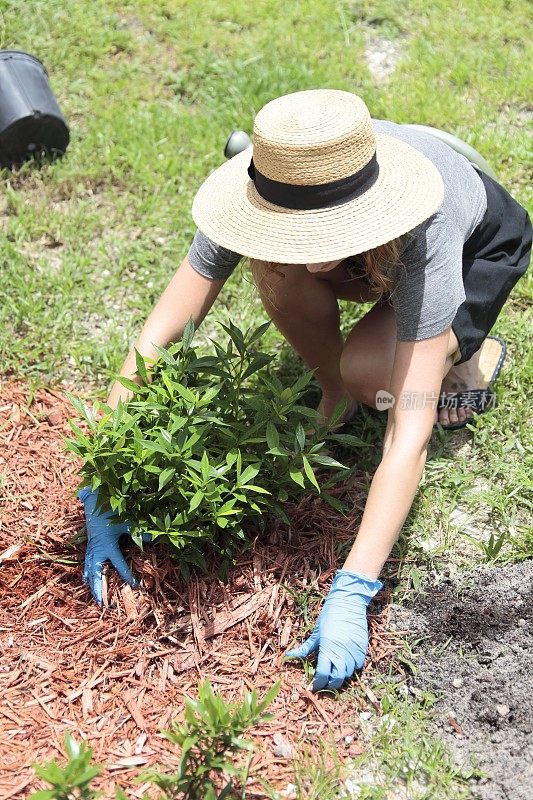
460,378
327,405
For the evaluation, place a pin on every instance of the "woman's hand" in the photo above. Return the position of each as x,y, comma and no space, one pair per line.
341,632
102,545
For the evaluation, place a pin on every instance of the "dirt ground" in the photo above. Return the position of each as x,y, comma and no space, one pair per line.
476,653
117,676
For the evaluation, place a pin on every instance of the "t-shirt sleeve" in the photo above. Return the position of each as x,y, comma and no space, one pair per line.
210,259
430,286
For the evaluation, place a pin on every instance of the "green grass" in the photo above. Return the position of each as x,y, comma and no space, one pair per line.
151,91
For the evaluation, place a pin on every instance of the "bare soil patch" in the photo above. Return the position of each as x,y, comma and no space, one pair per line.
116,677
381,56
476,652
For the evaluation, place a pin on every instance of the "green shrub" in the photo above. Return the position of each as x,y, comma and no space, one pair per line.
206,442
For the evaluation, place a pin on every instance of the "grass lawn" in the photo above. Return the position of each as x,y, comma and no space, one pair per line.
151,90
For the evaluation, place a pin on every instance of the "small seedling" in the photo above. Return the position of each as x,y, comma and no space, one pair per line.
210,739
72,781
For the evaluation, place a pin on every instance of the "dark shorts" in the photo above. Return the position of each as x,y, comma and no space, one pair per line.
494,257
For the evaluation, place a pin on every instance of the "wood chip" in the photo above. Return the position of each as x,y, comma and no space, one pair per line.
226,620
128,598
285,633
87,702
11,552
135,711
40,592
127,762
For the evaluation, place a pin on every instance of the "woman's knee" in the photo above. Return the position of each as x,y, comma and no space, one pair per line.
273,284
358,379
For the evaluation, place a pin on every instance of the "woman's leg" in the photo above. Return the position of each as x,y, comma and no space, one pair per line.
306,311
368,357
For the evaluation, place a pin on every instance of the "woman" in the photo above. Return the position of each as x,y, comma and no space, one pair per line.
334,205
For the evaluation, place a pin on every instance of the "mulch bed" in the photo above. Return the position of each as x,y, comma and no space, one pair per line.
117,677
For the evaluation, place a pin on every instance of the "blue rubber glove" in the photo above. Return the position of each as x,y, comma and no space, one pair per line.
341,632
102,545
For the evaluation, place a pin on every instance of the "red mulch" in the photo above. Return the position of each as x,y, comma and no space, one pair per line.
116,677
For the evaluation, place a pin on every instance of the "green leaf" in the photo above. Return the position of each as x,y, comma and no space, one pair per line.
72,748
196,558
205,466
297,476
326,461
187,395
168,383
249,474
270,696
165,356
304,411
81,437
277,451
338,411
165,477
129,384
196,500
300,436
334,502
187,337
226,791
87,776
258,489
50,772
236,336
272,436
258,333
310,474
141,367
303,381
347,438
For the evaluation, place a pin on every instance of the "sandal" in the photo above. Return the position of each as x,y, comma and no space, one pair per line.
481,399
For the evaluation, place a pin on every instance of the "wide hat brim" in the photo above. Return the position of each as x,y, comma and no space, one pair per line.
228,209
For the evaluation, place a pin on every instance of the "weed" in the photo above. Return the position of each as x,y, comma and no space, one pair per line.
491,548
401,758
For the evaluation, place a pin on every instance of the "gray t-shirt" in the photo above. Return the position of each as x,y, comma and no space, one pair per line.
429,289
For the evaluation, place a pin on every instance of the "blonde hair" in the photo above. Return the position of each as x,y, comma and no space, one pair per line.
379,265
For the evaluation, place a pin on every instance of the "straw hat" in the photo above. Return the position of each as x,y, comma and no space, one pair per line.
322,185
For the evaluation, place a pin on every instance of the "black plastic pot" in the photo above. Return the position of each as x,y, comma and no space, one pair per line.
30,119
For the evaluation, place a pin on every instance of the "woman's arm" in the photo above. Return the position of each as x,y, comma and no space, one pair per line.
415,383
188,294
